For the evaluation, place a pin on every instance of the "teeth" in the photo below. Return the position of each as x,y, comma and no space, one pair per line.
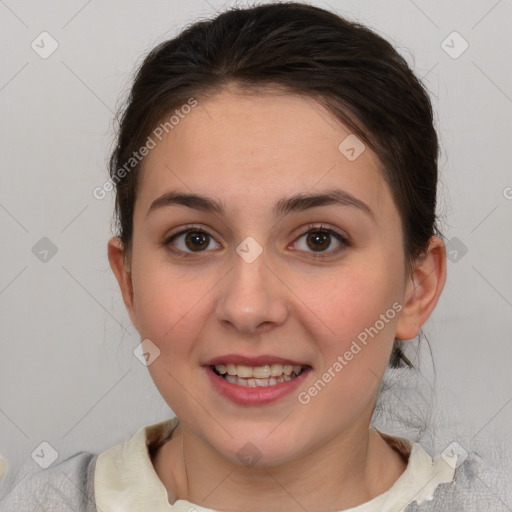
258,372
272,381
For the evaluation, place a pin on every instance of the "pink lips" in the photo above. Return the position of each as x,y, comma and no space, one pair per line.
258,395
252,361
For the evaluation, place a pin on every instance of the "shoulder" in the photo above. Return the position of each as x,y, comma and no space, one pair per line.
70,484
67,485
477,485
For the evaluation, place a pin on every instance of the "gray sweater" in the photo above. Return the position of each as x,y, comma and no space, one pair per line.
69,487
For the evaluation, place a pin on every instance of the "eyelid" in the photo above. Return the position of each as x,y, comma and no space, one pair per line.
312,227
183,230
321,228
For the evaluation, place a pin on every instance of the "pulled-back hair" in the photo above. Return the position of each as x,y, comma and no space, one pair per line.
356,74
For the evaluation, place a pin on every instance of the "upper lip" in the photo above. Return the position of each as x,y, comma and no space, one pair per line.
252,361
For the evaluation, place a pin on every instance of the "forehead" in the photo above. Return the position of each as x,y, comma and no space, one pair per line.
270,144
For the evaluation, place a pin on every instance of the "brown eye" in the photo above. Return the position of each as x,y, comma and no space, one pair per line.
197,240
319,238
190,241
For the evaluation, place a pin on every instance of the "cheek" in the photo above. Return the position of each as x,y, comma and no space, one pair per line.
354,345
349,299
171,308
163,298
352,315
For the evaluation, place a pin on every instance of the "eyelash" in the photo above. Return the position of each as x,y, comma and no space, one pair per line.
311,228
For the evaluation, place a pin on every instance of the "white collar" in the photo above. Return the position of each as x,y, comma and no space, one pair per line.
125,479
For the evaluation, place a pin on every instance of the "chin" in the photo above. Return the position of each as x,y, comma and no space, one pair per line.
259,450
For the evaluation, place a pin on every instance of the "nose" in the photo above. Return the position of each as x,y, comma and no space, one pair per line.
252,298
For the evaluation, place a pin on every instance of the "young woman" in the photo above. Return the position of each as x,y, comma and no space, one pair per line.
276,172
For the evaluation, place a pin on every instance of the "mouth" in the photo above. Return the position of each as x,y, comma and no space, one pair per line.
258,376
256,381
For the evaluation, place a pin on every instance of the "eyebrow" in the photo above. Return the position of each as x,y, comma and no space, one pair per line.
296,203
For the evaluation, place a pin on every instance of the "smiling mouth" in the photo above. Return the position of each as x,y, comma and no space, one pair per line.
260,376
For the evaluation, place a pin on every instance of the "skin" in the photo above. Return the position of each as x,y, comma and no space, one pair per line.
249,151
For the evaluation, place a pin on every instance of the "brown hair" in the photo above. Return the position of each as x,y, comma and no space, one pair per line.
303,49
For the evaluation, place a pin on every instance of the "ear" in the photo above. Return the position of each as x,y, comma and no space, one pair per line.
121,268
423,289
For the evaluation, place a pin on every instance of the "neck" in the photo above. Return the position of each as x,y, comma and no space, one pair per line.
345,472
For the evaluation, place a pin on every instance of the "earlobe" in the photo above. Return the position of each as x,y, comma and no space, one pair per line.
121,269
423,290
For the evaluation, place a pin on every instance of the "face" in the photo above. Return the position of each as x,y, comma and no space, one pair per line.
302,283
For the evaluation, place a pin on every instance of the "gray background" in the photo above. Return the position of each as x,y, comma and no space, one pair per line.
68,375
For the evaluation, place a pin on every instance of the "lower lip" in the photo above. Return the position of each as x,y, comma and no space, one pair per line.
246,395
